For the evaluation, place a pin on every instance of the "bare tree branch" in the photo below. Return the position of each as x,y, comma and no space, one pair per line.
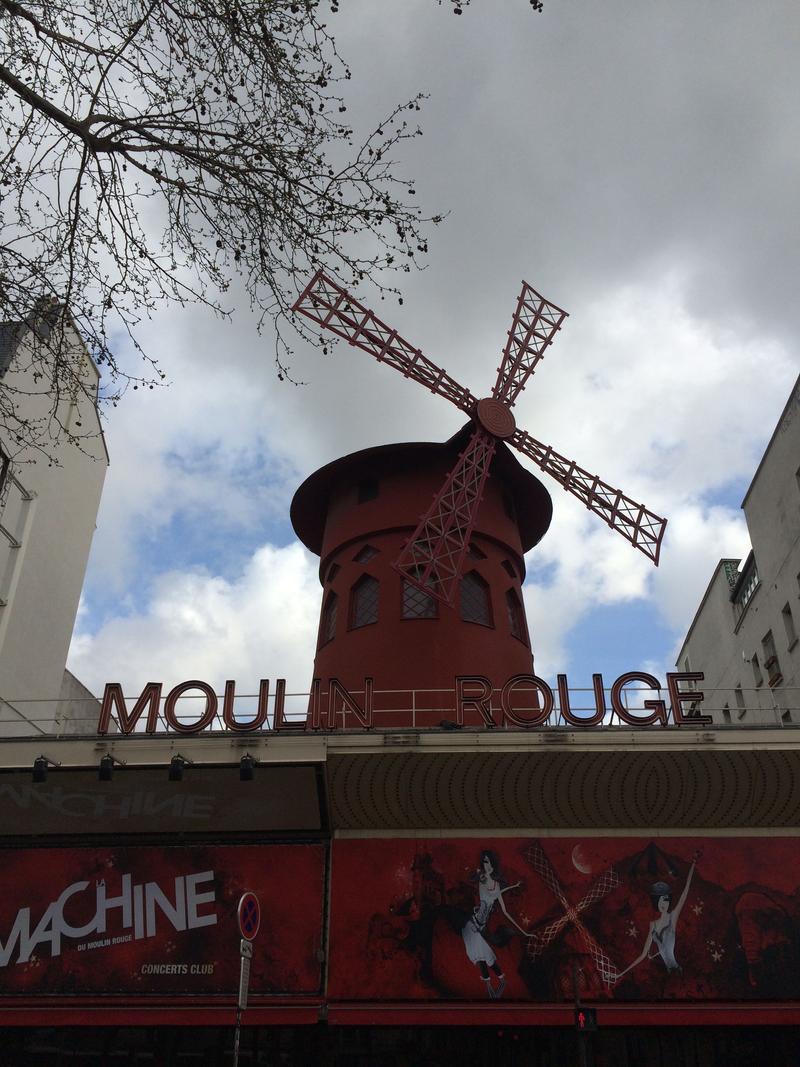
158,149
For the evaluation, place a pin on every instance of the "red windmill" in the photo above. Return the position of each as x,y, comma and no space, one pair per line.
433,558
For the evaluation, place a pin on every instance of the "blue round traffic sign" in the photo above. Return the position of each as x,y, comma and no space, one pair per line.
249,915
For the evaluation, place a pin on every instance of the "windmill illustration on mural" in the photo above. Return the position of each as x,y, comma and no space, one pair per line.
433,557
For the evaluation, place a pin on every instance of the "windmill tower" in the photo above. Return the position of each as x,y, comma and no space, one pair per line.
410,601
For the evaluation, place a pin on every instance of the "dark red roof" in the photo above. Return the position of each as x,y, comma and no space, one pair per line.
532,503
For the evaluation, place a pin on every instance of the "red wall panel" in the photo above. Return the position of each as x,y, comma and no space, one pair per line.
413,920
158,920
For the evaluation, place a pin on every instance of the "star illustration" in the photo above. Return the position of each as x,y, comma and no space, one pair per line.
716,956
632,931
698,908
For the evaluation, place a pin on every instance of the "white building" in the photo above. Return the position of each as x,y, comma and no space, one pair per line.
47,518
744,636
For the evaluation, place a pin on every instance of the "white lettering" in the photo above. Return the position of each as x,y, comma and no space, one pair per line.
104,903
137,904
51,925
195,899
138,912
20,932
175,913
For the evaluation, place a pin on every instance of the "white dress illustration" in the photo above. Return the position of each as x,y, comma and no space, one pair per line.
664,940
663,929
478,948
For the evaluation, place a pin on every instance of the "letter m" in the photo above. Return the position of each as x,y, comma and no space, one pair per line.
114,701
20,932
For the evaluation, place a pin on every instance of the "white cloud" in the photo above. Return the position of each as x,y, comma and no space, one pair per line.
263,624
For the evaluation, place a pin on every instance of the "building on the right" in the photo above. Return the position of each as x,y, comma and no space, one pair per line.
744,635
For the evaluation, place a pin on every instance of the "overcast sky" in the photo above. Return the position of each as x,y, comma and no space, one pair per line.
639,164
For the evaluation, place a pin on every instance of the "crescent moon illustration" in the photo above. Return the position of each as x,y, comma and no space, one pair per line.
580,860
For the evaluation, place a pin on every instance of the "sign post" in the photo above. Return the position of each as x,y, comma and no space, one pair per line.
249,916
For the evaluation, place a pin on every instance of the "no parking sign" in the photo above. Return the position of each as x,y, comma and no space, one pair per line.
249,916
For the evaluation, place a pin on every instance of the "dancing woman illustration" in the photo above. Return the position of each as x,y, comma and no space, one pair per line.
663,929
479,951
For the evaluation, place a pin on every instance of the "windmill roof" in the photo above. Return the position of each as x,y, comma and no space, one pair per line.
309,508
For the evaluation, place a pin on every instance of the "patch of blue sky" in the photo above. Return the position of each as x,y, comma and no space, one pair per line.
540,572
728,495
197,542
190,532
614,639
188,542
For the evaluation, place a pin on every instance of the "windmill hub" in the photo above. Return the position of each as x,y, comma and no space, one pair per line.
496,417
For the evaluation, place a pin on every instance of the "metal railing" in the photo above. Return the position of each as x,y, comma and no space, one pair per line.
393,709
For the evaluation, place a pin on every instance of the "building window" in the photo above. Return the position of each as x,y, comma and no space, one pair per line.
476,605
746,585
788,625
365,554
364,602
741,710
726,714
771,664
786,718
333,570
516,616
475,553
508,567
758,677
327,630
367,489
416,604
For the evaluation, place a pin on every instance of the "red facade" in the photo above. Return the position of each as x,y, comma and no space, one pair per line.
356,514
661,921
149,921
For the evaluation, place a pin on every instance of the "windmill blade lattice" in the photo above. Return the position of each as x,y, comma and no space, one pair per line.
328,304
536,322
433,558
542,939
642,527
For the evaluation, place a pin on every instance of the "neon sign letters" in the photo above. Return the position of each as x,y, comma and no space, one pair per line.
524,701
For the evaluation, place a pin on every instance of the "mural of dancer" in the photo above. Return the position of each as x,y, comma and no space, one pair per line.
478,949
663,929
626,919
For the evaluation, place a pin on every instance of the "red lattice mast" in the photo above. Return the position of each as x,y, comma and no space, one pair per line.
433,558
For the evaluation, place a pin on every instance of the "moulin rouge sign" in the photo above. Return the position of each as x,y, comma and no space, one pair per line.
524,702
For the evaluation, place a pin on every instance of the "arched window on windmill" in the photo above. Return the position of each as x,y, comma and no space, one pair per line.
509,568
416,604
364,602
327,629
365,554
476,602
516,616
